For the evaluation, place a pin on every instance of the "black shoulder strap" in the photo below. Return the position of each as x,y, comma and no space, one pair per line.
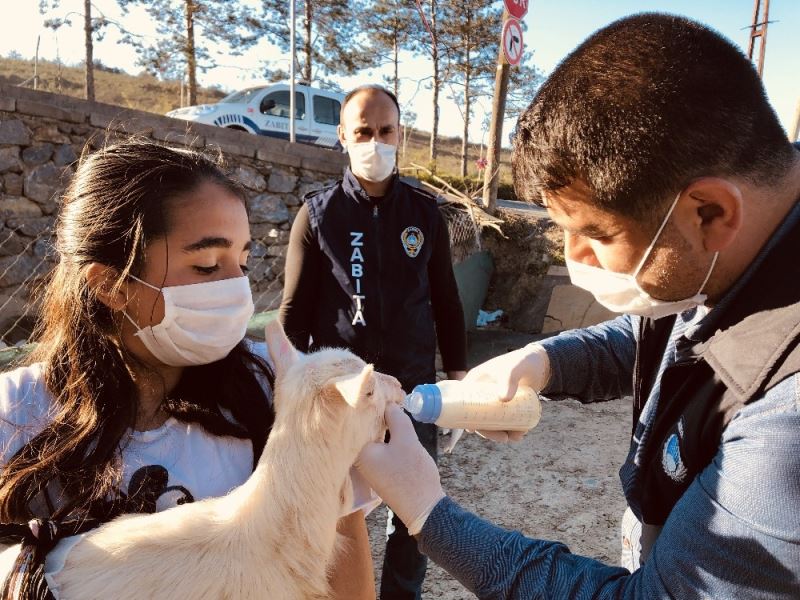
38,537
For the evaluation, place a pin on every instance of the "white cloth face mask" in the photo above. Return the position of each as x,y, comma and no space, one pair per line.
621,293
373,161
202,322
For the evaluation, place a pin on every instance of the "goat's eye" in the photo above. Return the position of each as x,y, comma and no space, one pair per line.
369,394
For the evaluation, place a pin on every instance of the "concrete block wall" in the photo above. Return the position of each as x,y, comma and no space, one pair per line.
43,134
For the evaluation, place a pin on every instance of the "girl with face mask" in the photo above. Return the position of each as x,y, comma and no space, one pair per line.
142,391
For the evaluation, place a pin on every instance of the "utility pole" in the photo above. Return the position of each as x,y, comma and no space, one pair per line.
292,41
509,53
758,29
491,176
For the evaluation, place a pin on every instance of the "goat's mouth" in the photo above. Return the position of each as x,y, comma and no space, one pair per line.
380,426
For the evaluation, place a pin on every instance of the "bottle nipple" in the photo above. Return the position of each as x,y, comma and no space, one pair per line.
414,403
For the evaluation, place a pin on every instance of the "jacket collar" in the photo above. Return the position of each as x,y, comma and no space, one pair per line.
760,319
352,188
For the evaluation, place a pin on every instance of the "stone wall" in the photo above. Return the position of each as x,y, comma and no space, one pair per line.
41,137
530,282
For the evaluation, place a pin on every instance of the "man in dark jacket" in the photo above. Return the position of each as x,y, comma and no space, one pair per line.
368,268
653,146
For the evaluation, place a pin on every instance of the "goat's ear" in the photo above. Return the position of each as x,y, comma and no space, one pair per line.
356,388
281,351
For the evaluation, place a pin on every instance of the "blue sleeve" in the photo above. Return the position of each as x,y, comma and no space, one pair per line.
593,363
733,534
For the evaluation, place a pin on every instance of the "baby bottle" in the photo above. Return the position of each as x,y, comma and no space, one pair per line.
473,405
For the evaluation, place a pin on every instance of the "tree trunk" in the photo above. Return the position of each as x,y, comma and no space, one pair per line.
436,84
87,32
191,58
396,51
465,141
307,50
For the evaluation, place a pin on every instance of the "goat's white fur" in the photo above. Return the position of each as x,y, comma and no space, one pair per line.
274,536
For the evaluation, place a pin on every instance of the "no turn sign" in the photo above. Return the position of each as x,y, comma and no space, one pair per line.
516,8
512,41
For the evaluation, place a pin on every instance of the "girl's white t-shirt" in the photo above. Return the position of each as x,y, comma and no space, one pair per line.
161,468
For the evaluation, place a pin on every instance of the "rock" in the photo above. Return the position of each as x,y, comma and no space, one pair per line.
37,155
305,188
13,184
249,178
64,155
50,133
277,250
18,269
291,200
9,160
261,271
43,248
258,250
80,129
271,235
281,182
14,132
43,184
32,226
10,243
16,206
268,208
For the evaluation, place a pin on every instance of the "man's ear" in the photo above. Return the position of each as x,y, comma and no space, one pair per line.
340,133
711,208
355,388
101,279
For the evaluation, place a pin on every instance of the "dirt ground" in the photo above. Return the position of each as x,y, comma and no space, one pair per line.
560,483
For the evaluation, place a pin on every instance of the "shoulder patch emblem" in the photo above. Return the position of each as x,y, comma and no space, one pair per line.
412,240
671,459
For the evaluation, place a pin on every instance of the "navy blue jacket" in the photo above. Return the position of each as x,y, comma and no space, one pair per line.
374,275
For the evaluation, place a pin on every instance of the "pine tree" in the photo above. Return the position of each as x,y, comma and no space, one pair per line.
429,42
93,26
471,36
328,32
391,24
179,25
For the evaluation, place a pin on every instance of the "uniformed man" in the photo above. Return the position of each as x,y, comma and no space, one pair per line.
368,268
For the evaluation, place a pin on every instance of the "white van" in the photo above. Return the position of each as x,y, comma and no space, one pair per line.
264,110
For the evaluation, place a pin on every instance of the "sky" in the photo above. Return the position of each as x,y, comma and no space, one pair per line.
554,28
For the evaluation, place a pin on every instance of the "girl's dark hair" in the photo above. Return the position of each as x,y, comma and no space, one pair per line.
640,109
118,201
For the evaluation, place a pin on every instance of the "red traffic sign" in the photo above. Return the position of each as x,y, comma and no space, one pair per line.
512,41
516,8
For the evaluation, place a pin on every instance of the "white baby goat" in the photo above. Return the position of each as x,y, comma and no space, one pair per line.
274,536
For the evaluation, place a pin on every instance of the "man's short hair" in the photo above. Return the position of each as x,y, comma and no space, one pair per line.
370,87
640,109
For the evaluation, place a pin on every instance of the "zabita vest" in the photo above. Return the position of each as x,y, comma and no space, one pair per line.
375,291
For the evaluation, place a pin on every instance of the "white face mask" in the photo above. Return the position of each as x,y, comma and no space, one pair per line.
202,322
621,293
373,161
